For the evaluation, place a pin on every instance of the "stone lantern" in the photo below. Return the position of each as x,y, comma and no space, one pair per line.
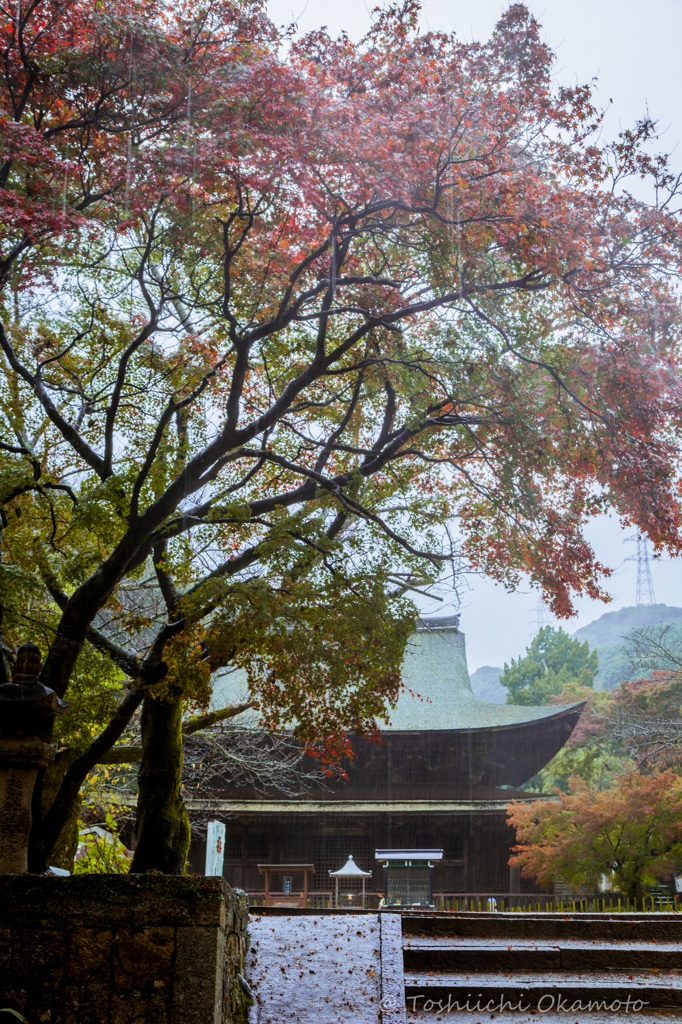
27,711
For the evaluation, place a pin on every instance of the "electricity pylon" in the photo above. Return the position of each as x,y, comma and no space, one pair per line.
645,584
541,618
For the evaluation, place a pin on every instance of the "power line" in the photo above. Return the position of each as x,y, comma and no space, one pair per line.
645,584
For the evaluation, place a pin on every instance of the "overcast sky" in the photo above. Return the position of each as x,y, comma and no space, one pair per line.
633,50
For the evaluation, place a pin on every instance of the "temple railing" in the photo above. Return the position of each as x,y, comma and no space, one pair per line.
596,903
485,903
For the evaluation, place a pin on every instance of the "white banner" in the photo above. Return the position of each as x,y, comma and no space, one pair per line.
215,848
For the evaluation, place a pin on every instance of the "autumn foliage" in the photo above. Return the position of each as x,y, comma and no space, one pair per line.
617,784
631,832
278,323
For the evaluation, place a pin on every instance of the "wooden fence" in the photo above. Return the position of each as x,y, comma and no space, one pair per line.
459,902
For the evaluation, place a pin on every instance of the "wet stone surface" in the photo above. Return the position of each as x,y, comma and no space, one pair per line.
315,970
514,969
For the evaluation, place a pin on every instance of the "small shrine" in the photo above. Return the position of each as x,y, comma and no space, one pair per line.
408,876
350,870
286,895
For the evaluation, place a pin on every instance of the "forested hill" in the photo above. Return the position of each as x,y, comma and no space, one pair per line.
606,634
485,682
610,627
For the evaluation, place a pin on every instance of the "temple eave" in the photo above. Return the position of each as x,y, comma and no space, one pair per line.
558,712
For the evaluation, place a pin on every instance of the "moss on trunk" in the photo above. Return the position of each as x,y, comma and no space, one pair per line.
163,831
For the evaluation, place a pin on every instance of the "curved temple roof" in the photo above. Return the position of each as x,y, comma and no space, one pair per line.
441,738
437,692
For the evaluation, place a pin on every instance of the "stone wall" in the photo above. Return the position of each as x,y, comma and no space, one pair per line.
122,949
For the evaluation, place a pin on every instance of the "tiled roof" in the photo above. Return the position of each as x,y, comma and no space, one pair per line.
437,693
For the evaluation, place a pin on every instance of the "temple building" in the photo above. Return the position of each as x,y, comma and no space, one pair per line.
441,777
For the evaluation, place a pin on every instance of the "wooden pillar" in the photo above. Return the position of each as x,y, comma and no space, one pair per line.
468,858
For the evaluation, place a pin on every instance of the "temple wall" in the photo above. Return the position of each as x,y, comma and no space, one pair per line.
476,847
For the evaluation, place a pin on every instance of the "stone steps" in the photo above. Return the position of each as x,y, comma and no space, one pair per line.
530,988
523,966
608,927
393,968
465,956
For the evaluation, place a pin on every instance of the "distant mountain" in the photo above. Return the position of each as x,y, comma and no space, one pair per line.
485,682
606,634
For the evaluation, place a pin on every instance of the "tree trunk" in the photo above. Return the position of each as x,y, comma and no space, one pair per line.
63,853
163,831
49,824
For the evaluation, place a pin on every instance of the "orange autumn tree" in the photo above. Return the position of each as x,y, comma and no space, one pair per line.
631,832
271,322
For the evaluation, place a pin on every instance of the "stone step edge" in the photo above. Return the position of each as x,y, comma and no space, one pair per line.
528,979
556,931
474,996
623,953
441,943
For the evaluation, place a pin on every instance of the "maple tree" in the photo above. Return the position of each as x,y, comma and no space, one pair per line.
270,322
630,831
635,727
643,722
619,780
